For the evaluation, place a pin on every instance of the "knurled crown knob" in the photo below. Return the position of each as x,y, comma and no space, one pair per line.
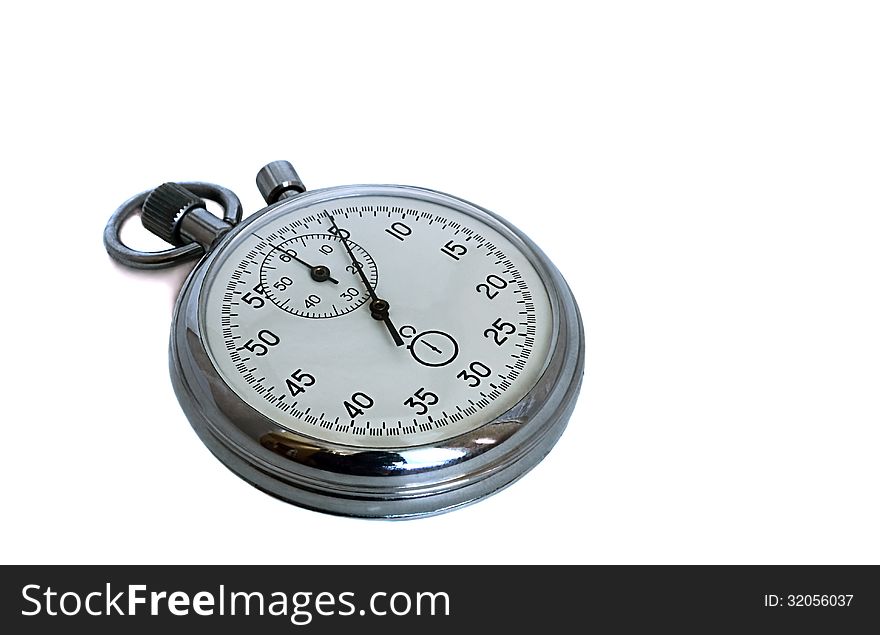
165,207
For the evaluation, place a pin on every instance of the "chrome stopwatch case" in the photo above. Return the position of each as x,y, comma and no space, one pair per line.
368,350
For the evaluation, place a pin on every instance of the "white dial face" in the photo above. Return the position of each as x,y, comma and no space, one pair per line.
376,321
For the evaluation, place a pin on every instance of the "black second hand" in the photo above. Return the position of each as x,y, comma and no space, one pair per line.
378,307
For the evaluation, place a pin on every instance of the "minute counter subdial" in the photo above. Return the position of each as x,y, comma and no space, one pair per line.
311,291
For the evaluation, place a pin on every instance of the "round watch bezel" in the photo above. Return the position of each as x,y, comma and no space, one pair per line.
387,483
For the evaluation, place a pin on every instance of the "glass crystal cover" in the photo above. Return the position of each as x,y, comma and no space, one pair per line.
290,325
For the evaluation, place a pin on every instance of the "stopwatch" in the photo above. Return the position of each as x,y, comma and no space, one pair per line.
378,351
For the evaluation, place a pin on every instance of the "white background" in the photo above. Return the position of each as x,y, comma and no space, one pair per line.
706,176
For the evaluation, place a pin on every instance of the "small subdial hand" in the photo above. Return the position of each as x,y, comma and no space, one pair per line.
379,308
320,273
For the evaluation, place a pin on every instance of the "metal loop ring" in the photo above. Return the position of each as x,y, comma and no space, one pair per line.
169,257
